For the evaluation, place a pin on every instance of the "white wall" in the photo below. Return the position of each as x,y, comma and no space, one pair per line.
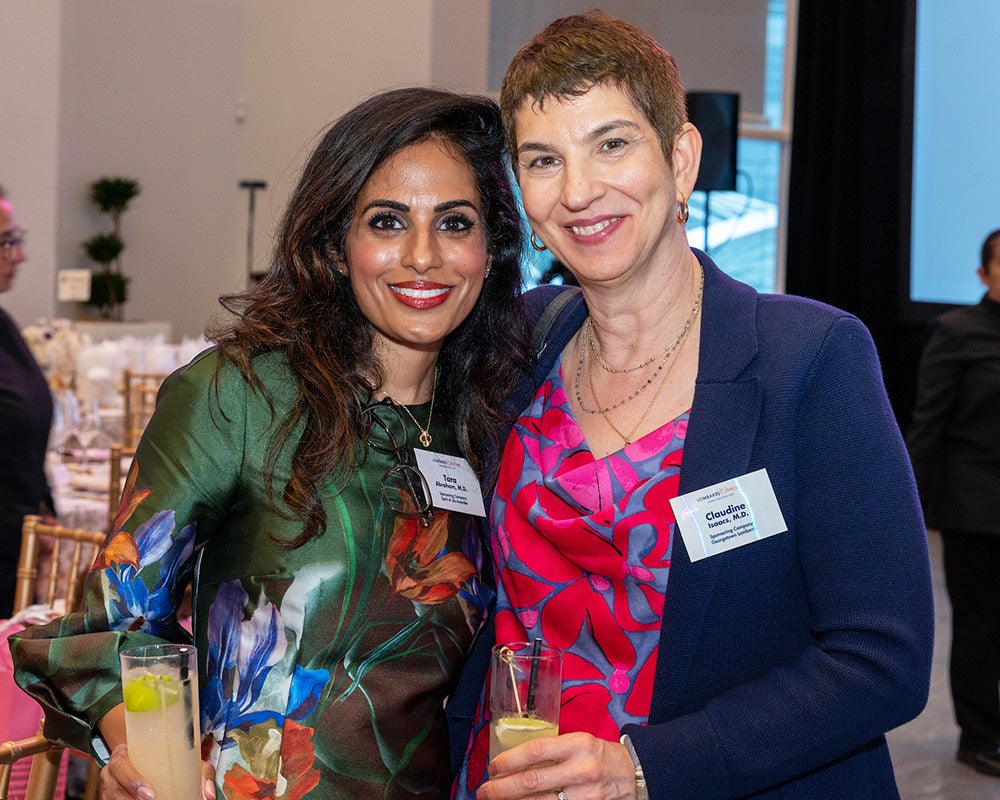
189,98
147,93
29,121
460,44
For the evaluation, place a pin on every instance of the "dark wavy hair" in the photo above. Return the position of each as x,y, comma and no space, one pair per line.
304,308
573,54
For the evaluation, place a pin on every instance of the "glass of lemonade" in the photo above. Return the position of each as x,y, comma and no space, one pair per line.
525,693
160,686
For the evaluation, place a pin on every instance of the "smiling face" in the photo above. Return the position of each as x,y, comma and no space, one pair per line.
416,252
596,185
13,256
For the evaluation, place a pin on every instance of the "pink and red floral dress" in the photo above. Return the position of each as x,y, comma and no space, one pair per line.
582,549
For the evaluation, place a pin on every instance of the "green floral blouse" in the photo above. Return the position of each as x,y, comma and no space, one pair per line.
324,669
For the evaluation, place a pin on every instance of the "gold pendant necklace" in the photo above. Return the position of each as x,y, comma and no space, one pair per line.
425,432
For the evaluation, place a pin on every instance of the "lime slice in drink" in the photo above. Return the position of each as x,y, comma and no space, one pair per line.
144,693
512,731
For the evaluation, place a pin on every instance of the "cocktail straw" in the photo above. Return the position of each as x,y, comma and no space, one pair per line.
536,650
188,702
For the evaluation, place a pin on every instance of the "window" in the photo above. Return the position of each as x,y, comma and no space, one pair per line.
744,226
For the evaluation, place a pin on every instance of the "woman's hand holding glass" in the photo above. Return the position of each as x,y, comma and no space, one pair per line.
579,764
120,779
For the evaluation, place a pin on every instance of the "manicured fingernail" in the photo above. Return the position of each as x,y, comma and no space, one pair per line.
209,790
145,793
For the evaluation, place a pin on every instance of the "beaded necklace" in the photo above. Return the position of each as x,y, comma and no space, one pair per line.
628,437
589,345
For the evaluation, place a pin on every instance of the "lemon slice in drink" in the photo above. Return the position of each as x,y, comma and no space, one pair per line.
144,693
512,731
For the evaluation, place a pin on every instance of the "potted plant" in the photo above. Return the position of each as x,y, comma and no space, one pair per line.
109,287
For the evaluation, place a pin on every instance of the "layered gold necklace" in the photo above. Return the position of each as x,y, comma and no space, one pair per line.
589,347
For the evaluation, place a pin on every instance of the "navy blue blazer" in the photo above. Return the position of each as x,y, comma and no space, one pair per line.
783,662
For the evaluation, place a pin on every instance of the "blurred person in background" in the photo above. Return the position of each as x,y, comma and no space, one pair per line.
954,441
25,419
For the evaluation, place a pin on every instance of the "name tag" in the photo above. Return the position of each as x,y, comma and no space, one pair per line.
453,483
728,515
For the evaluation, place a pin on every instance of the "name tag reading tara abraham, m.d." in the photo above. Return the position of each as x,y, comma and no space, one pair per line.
727,515
452,481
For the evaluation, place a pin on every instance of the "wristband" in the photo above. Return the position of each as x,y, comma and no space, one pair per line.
641,792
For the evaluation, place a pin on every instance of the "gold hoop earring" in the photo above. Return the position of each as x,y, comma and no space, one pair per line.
682,211
537,243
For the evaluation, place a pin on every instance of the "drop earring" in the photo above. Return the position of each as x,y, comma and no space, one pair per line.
682,210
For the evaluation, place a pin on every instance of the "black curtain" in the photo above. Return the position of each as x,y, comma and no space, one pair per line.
849,186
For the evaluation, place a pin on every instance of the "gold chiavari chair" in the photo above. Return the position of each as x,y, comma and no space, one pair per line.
39,577
119,454
46,758
41,580
139,395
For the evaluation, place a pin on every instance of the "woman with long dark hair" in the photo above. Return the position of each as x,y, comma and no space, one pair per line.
293,476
